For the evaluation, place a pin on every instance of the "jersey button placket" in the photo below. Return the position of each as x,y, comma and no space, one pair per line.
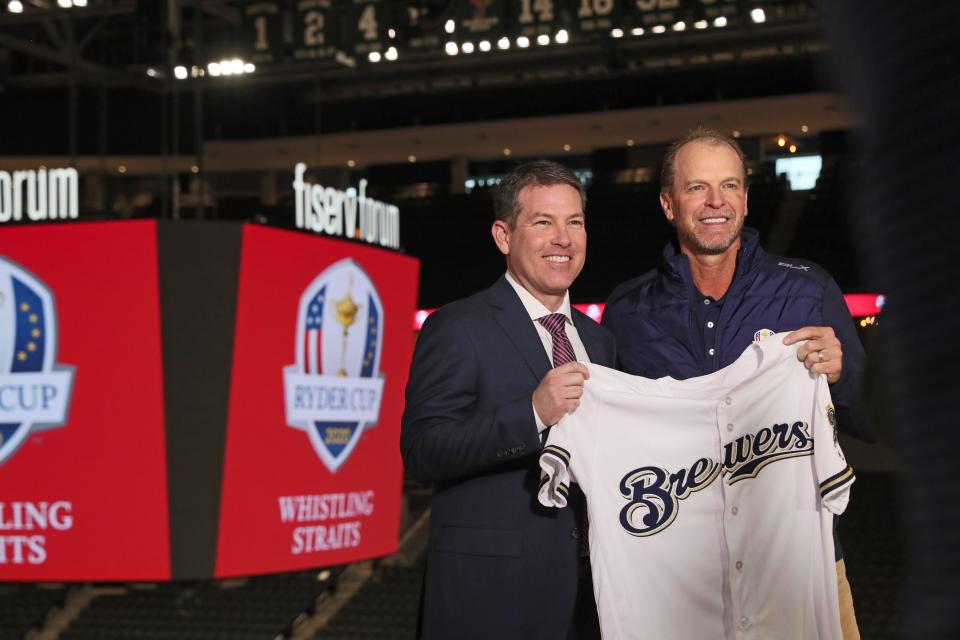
734,524
709,336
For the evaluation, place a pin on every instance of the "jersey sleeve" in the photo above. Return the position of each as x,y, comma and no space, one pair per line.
571,446
833,473
555,472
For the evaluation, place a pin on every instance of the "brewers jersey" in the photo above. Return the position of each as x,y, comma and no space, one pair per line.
710,500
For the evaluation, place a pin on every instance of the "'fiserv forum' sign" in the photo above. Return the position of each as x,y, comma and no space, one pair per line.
40,195
345,213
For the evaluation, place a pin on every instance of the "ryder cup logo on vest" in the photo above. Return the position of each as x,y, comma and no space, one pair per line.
34,390
333,392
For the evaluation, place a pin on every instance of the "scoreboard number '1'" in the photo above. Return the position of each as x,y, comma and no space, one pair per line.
260,24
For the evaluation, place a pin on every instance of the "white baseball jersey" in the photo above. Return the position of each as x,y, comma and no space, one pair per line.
711,500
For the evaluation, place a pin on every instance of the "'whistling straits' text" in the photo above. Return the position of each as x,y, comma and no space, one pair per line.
340,514
23,526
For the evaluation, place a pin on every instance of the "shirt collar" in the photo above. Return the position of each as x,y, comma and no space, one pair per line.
675,262
676,266
534,307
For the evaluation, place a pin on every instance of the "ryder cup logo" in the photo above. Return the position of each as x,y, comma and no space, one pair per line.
333,392
34,390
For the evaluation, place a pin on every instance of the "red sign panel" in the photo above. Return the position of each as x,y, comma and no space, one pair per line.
83,486
312,470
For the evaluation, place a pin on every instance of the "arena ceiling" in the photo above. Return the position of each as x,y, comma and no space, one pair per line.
103,77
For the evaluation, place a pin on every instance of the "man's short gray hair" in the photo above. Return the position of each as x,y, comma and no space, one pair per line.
700,134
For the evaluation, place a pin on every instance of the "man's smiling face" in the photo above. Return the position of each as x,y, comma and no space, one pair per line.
547,244
708,200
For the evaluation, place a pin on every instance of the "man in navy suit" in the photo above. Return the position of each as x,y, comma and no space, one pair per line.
490,374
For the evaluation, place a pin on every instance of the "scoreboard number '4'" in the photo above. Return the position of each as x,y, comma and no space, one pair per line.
368,23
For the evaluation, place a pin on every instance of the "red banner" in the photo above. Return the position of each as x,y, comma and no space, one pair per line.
312,471
83,487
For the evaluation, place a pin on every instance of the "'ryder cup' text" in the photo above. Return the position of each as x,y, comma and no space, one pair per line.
314,398
35,397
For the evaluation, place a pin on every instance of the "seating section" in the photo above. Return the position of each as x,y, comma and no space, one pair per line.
262,607
765,197
824,233
27,606
386,608
451,236
626,234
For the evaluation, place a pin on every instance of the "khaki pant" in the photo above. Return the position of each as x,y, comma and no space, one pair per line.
848,619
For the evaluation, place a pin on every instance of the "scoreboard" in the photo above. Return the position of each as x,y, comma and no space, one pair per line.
276,31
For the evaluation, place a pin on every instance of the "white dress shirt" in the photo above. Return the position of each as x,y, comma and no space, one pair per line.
537,310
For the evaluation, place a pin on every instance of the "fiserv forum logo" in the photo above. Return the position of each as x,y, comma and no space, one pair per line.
334,390
34,389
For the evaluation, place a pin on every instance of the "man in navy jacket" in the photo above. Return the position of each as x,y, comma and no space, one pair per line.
481,393
717,291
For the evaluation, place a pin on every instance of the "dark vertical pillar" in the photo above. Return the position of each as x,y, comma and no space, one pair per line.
198,109
198,269
899,63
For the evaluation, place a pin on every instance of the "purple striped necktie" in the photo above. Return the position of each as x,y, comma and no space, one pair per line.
562,349
555,323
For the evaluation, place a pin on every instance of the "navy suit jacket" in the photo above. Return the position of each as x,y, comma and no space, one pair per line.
499,565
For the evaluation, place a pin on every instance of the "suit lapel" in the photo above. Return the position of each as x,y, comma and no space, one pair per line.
518,327
590,337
